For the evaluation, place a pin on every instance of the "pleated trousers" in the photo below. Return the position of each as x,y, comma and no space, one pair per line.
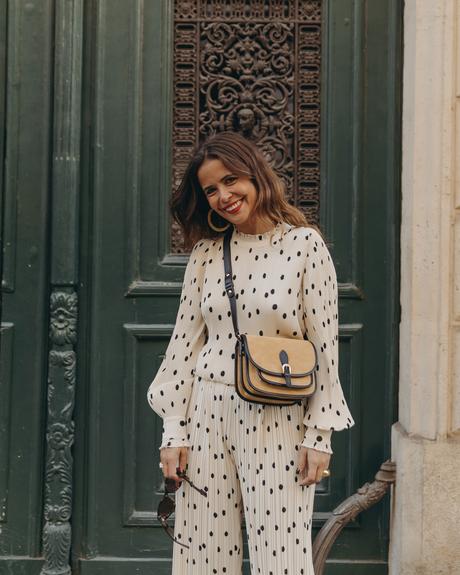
245,456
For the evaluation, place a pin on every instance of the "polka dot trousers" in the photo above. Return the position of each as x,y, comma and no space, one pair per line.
245,456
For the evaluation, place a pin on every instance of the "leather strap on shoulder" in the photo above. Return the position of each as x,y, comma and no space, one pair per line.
228,278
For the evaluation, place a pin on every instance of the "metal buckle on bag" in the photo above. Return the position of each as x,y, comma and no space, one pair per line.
287,374
286,368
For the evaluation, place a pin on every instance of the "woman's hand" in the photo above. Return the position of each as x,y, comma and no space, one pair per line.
173,458
311,463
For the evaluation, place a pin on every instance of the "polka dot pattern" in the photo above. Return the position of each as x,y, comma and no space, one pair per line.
286,285
245,457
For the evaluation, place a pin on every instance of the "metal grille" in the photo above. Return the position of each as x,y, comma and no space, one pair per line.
251,66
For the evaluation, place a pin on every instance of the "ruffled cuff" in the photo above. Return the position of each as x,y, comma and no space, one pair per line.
174,432
319,439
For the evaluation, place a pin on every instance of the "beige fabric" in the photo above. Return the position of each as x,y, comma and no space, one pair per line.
285,286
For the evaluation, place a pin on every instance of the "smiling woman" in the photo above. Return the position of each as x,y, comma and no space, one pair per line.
246,457
224,169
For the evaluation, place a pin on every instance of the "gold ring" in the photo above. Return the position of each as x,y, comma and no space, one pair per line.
326,473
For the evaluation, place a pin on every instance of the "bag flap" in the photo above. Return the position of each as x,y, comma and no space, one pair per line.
264,353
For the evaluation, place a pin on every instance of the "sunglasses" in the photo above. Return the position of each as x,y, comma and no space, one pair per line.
167,505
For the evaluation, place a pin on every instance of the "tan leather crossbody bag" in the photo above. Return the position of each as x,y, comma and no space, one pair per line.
269,370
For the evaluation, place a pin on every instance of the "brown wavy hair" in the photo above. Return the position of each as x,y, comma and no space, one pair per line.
189,205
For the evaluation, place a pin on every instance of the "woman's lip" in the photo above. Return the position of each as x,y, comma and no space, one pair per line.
236,210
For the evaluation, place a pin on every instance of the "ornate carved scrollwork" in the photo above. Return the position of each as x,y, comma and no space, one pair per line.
252,67
60,434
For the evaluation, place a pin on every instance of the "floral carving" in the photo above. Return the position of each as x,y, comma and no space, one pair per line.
60,437
63,326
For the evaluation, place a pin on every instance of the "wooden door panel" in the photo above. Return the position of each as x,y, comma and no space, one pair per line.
25,118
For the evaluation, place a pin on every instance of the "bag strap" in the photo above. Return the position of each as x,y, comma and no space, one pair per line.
228,278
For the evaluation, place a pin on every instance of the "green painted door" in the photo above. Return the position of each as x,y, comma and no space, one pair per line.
129,276
25,129
131,280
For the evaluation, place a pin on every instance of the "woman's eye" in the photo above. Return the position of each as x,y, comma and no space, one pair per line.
210,191
231,179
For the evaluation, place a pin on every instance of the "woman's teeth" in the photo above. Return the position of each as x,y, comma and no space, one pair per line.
234,207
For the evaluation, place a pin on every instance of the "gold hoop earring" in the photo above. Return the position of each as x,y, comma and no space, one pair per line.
213,226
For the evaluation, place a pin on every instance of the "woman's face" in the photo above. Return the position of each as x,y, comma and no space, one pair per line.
231,196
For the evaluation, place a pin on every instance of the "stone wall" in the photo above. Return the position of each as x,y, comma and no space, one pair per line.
425,518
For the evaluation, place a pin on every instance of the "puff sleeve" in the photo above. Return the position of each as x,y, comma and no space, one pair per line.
326,410
169,392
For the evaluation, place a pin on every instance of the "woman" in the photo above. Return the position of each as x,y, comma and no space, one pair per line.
260,461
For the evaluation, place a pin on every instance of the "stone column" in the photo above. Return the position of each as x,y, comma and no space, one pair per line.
425,518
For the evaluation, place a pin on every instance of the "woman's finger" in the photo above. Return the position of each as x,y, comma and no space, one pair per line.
170,460
301,460
164,463
302,465
309,473
183,459
173,464
319,473
309,477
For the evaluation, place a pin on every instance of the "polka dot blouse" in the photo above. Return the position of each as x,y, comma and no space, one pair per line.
286,285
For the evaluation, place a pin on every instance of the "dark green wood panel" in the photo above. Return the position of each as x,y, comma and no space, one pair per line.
26,29
6,330
123,152
361,151
6,371
19,566
3,66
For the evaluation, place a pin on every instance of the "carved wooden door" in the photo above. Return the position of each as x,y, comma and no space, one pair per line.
317,85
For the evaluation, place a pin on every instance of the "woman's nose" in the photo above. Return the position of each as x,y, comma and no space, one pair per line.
224,195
